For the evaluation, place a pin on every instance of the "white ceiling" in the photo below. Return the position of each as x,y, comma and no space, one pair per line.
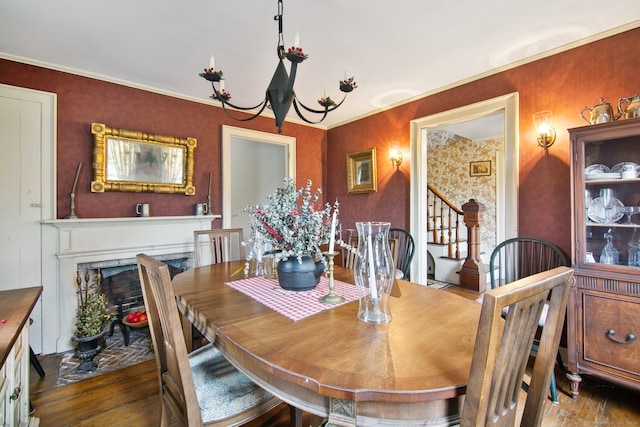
396,50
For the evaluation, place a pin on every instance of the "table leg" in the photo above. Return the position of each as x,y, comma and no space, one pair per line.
341,413
296,416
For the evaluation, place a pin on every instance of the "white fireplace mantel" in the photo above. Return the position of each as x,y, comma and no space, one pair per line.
71,242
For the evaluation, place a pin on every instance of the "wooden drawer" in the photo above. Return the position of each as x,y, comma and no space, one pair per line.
602,313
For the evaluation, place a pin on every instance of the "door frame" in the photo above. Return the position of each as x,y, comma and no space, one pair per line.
230,132
418,215
45,310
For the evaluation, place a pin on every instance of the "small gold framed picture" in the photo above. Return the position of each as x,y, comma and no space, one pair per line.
480,168
362,176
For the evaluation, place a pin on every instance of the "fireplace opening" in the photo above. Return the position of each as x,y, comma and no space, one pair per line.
120,283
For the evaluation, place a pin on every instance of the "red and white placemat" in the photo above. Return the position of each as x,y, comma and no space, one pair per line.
294,305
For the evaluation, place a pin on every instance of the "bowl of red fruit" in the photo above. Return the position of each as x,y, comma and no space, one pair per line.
137,319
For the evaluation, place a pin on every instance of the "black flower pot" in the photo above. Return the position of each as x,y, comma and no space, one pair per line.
296,276
86,350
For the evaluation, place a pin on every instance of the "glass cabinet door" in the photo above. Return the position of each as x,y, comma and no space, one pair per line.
607,199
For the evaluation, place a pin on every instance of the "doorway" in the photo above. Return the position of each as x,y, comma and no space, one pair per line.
27,169
253,164
506,213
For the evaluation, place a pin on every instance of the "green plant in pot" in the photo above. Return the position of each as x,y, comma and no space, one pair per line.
296,224
92,317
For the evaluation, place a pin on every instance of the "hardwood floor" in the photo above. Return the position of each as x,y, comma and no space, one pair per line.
129,397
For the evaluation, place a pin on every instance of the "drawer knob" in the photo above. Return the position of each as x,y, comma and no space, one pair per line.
16,394
611,334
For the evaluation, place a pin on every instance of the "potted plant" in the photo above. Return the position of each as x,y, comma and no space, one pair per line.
92,317
296,224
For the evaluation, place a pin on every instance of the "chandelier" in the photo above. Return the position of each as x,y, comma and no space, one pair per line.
280,94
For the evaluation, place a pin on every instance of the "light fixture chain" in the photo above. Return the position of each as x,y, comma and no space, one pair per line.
278,18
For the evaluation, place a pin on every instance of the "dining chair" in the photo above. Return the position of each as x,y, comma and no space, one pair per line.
503,345
353,242
212,247
520,257
199,388
217,245
350,256
405,249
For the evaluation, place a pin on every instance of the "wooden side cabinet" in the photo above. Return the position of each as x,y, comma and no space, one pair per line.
15,308
603,314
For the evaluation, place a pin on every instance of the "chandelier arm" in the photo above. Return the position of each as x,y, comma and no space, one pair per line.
311,122
261,104
326,110
219,97
246,119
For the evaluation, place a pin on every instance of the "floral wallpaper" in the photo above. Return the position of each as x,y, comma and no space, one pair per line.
448,158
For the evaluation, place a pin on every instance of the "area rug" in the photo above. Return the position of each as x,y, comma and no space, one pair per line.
437,284
115,356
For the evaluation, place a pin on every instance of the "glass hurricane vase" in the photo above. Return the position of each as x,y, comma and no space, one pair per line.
374,271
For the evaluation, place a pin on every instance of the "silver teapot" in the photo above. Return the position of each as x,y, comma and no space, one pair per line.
600,113
632,109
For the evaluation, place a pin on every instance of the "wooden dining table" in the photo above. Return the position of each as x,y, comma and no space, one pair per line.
411,371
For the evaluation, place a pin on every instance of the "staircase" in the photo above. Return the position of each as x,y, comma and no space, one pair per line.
445,246
447,243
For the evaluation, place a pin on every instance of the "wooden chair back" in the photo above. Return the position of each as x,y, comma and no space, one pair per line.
350,257
405,249
503,346
353,242
176,382
520,257
217,245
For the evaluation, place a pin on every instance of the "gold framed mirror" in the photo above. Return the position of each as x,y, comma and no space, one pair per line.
134,161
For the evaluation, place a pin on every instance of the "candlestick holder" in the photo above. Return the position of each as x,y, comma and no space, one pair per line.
331,297
209,205
72,213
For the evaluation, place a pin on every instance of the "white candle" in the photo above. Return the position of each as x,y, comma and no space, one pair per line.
209,185
332,237
212,62
221,85
75,181
372,270
296,40
257,245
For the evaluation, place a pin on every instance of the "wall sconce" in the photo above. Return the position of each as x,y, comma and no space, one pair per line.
395,156
546,134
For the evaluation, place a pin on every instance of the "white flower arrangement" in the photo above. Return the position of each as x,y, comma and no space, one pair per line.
294,221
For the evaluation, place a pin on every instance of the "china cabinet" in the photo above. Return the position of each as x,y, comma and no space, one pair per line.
603,315
15,307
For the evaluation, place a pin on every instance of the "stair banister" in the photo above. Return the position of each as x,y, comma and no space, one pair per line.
453,223
473,274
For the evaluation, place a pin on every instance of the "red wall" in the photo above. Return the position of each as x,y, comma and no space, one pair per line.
563,83
82,101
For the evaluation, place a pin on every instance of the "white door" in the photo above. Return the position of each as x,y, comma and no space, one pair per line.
254,165
22,125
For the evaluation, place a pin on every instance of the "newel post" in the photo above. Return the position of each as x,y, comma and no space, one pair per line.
473,274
